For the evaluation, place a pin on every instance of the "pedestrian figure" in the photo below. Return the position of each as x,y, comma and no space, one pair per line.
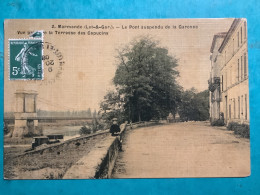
131,125
114,129
170,118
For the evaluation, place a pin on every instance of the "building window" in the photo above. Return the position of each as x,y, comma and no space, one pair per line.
225,80
241,37
242,106
245,65
241,68
245,29
238,39
246,106
229,111
238,107
222,83
238,69
234,102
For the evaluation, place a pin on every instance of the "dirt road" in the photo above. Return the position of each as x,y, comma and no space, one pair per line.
192,149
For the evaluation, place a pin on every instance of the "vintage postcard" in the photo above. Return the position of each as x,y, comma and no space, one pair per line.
146,98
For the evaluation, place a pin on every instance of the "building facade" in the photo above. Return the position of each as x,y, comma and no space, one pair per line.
230,67
214,80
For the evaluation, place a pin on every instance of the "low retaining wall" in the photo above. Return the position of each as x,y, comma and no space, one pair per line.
60,146
99,163
104,170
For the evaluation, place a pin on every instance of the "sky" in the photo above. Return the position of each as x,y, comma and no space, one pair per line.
84,75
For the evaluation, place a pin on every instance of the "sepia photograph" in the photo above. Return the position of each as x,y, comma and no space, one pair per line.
126,98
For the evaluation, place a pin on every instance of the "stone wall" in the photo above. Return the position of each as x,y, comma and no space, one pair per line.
96,164
60,146
99,162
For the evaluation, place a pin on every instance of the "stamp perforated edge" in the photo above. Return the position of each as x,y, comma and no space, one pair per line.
42,52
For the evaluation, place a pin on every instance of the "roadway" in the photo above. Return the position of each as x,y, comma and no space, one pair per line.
190,149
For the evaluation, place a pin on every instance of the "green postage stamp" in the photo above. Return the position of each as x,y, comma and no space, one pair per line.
25,59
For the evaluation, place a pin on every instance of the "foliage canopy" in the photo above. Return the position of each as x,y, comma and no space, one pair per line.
146,86
146,76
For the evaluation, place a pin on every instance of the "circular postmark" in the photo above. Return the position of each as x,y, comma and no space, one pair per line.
33,59
53,63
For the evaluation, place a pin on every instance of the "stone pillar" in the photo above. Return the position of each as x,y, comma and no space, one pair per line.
20,102
25,113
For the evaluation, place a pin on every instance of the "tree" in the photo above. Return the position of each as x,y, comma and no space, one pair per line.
94,115
194,106
186,108
85,130
89,114
146,76
202,100
112,107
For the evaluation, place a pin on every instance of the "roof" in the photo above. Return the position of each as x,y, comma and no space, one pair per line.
218,35
229,33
